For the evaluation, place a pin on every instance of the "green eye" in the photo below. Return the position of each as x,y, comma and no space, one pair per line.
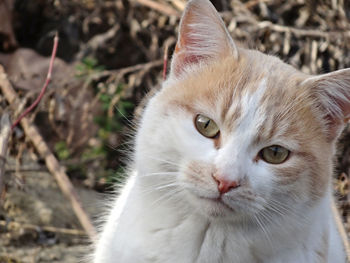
207,127
274,154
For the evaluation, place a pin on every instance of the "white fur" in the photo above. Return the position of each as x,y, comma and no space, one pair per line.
167,214
191,238
149,223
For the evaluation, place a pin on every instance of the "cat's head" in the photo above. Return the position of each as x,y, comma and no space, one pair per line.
235,133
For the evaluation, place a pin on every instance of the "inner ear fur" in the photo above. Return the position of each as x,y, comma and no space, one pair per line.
332,92
202,36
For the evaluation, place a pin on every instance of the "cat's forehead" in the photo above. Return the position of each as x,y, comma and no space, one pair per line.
258,91
254,74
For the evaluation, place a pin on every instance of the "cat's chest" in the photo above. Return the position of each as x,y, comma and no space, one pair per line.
199,241
194,239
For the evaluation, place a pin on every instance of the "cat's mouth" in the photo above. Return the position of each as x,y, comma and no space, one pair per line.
233,207
218,202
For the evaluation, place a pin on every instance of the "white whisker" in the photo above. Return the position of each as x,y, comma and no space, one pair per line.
263,228
163,161
158,173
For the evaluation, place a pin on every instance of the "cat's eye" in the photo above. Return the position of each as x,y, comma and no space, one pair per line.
206,126
274,154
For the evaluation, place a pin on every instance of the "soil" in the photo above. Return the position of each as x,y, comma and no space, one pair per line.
38,202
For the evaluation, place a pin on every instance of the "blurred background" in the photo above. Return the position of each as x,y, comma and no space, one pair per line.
109,57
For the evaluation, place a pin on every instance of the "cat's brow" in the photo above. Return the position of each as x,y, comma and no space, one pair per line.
245,112
228,111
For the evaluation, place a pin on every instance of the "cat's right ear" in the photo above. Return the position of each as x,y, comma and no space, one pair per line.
332,92
202,37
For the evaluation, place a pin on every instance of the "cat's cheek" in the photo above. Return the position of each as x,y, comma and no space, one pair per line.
194,145
197,178
261,179
293,181
269,179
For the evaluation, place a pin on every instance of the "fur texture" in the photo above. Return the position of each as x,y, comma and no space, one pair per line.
171,210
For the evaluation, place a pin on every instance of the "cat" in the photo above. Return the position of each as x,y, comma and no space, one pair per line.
232,160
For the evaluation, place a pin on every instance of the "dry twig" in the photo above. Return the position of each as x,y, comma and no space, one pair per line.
121,72
160,7
303,32
17,225
97,41
51,162
5,130
341,229
165,61
253,3
179,4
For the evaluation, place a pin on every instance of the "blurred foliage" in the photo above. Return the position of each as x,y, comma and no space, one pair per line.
87,67
62,150
111,120
113,123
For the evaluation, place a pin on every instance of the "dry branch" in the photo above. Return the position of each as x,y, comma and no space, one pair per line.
253,3
5,130
51,162
121,72
17,225
160,7
341,229
303,32
165,62
97,41
179,4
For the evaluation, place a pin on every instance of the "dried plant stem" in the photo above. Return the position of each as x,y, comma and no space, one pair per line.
179,4
341,229
66,231
5,131
123,71
51,162
160,7
42,92
165,61
303,32
253,3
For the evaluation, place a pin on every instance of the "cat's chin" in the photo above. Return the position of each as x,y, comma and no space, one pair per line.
216,208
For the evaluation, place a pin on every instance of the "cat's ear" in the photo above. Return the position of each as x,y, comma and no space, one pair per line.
333,95
202,37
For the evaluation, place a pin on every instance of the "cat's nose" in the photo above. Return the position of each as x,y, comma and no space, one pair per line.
225,185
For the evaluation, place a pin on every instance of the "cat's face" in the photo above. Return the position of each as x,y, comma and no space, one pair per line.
237,134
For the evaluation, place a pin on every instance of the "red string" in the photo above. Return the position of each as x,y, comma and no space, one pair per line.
42,92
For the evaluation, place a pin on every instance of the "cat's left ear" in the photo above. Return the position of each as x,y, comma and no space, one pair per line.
333,95
202,37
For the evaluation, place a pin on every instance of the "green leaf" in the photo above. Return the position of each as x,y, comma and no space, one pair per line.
62,150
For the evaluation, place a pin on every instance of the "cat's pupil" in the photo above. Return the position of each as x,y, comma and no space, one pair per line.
207,124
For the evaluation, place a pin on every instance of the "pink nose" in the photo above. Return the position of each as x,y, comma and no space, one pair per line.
225,185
